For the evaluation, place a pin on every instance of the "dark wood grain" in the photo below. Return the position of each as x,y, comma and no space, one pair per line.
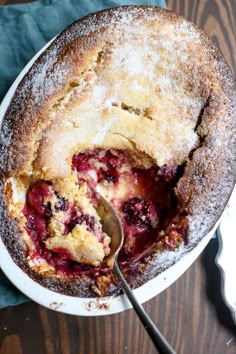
217,18
10,342
190,313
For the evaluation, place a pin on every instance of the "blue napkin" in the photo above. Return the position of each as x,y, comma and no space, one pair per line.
24,29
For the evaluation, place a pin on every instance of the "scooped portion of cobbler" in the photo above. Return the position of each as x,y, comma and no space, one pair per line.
142,194
66,230
61,218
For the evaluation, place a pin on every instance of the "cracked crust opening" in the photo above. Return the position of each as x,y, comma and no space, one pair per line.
139,79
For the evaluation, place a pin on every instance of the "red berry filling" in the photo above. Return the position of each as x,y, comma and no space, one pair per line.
79,218
140,212
105,163
38,212
36,198
143,198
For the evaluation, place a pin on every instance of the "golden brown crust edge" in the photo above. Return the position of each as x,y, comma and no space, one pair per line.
209,175
41,86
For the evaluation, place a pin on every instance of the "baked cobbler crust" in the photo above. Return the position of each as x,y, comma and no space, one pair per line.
139,79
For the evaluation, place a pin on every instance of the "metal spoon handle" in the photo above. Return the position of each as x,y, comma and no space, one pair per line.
158,339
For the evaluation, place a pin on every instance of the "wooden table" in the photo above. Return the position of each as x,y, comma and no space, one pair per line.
190,313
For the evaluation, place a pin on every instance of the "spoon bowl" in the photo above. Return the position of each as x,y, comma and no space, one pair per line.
112,226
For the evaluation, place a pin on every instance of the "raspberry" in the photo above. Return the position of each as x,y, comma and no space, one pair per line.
81,162
36,196
111,162
36,227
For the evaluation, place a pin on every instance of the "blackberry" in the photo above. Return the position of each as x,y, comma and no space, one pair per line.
140,211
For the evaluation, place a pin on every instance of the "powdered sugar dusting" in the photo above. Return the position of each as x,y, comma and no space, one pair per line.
47,80
141,60
139,73
157,85
102,133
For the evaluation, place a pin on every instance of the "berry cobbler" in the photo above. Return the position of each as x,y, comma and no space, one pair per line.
135,104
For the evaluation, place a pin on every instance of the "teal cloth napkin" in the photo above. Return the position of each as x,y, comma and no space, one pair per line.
24,29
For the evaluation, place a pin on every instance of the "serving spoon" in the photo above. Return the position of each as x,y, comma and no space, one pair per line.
112,226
